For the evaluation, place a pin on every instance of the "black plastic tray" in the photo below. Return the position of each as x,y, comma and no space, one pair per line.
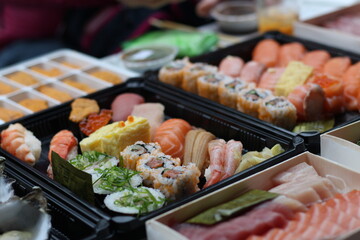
69,220
244,50
44,126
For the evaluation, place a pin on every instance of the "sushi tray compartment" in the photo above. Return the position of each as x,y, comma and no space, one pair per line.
191,219
45,125
68,220
342,145
244,50
338,29
51,79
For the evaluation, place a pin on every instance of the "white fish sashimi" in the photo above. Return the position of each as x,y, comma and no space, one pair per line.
153,112
300,171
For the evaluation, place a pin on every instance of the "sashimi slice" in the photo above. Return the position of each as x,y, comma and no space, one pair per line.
305,196
252,72
291,52
171,136
291,203
267,52
316,59
153,112
337,66
299,171
270,77
231,66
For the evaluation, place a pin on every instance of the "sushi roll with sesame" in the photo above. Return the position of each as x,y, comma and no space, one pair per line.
135,201
192,73
208,85
278,111
249,100
178,182
131,154
151,165
228,90
173,73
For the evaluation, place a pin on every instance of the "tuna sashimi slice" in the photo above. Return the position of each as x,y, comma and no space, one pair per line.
299,171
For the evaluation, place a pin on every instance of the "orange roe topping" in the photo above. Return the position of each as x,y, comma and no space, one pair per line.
95,121
324,80
130,119
121,124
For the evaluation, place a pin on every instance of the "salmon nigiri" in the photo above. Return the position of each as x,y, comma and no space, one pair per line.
308,100
333,89
21,143
63,143
267,52
270,77
291,52
316,59
231,66
337,66
351,80
171,136
252,72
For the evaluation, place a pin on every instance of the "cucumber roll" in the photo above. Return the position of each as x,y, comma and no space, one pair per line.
228,90
178,182
136,201
278,111
249,100
151,165
208,85
173,73
133,153
192,73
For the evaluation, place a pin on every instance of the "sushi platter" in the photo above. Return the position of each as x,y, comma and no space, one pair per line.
338,183
303,105
49,80
342,145
202,122
337,28
68,219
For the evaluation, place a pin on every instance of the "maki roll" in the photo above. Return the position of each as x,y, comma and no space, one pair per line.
151,165
192,73
278,111
135,152
135,201
228,90
208,85
249,100
173,73
178,182
114,179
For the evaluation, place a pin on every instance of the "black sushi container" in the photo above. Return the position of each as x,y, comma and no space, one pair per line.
69,220
244,50
47,123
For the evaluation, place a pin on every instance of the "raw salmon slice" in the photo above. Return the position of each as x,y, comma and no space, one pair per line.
231,66
351,80
171,136
267,52
337,66
290,52
316,59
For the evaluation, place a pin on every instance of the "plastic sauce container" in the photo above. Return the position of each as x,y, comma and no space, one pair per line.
278,15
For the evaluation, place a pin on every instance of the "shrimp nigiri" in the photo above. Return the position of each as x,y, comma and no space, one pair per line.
21,143
232,157
63,143
215,171
171,136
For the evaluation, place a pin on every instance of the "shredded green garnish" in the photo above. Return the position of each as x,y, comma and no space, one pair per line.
87,159
141,199
115,179
358,143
